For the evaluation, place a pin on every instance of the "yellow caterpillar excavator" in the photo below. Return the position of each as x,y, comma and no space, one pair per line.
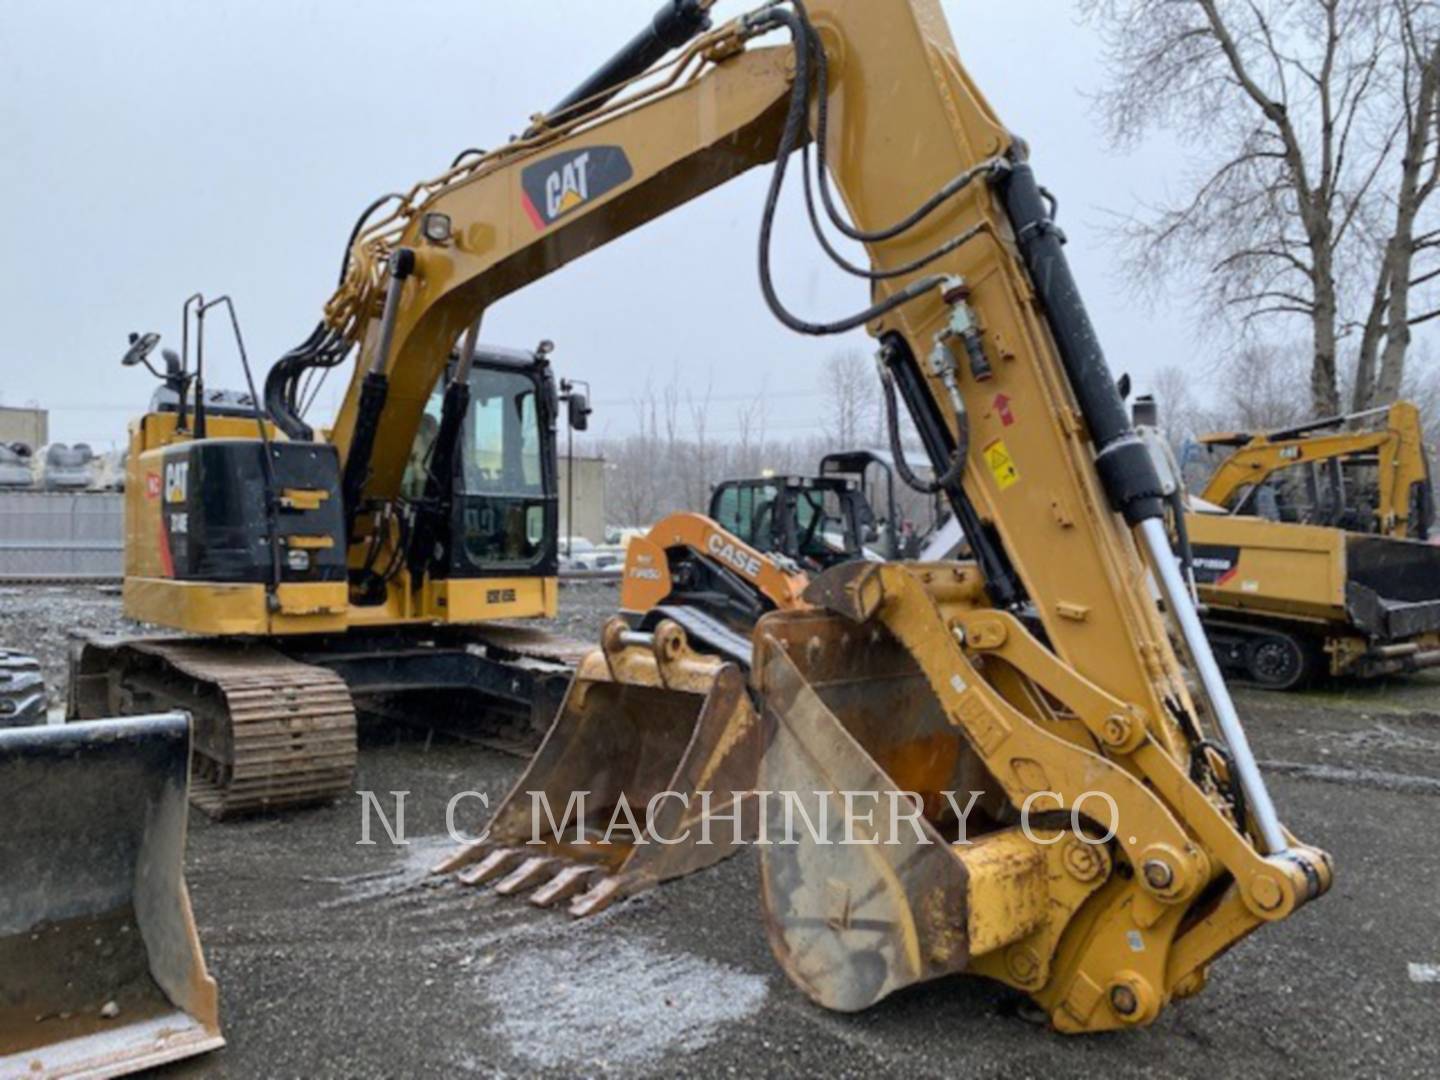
1364,472
1036,680
1116,835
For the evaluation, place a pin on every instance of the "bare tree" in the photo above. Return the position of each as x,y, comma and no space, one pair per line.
1419,100
1181,416
851,398
1311,125
699,459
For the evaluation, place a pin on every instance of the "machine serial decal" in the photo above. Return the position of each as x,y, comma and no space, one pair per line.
565,182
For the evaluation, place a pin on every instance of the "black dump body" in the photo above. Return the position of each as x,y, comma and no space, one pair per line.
1392,587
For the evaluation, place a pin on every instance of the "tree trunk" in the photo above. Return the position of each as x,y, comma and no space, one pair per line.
1400,252
1324,386
1371,338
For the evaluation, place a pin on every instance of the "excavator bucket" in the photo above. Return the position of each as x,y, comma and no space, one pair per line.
651,739
100,966
869,882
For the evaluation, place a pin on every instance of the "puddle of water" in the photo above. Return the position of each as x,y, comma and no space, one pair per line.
601,1003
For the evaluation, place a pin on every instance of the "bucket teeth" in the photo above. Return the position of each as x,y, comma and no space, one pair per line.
564,885
600,897
498,862
535,870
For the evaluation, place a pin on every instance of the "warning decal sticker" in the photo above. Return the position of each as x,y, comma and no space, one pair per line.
1001,464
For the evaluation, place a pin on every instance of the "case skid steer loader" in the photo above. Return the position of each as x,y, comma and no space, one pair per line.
100,965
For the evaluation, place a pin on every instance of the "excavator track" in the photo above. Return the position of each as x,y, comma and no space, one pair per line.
270,732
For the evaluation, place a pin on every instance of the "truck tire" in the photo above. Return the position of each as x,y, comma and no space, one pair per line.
23,697
1279,661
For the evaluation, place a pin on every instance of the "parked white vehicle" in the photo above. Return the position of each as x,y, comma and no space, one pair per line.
578,553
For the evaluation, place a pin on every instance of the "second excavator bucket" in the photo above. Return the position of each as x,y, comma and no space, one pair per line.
100,966
652,740
871,882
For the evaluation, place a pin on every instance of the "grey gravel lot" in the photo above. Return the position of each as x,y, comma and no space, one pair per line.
339,959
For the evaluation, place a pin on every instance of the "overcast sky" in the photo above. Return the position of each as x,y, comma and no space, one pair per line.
152,148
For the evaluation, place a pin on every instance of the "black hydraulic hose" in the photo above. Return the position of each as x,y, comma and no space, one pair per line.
914,266
949,480
822,127
360,224
790,140
322,349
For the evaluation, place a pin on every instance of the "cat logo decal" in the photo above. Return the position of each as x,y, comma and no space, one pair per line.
558,185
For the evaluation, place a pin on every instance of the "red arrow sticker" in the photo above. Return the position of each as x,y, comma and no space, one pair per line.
1002,409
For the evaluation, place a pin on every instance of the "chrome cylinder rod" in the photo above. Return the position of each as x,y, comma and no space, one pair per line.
1177,600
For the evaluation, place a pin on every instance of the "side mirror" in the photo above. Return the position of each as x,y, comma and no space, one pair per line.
141,346
579,411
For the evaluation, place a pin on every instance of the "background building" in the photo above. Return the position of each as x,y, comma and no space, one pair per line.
589,498
30,426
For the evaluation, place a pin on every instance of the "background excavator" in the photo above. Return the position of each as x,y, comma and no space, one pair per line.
1307,550
1364,472
1037,673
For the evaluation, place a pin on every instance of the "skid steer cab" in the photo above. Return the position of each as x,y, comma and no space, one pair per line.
815,521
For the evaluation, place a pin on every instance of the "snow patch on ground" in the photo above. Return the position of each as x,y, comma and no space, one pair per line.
595,1005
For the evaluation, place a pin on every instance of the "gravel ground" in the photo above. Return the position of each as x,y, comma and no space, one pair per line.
341,959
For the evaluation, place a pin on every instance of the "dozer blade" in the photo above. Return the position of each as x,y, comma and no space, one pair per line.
100,966
862,890
650,734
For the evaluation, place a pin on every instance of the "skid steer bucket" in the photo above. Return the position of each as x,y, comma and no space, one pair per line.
100,965
651,734
866,887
